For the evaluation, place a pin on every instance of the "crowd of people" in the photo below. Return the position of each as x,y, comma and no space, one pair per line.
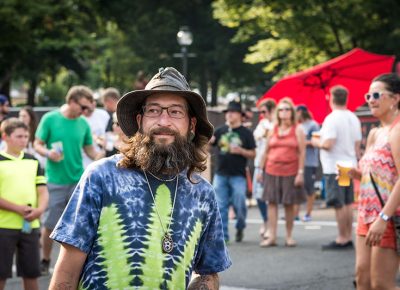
142,215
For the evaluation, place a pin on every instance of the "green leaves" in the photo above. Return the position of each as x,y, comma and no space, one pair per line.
299,34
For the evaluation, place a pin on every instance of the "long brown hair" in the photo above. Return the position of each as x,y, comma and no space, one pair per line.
32,123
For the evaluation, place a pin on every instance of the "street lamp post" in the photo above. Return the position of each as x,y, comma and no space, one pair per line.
185,39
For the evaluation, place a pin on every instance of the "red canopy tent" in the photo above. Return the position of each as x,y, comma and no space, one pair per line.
354,70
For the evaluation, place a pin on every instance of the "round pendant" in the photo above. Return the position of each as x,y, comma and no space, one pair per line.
167,244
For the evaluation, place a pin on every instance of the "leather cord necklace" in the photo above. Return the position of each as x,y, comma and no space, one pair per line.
167,244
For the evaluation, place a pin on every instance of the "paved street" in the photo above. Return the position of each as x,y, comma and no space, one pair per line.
302,267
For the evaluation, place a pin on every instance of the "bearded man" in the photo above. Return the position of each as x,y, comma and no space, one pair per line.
145,219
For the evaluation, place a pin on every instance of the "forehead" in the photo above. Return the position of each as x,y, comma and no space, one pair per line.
377,86
284,105
19,131
166,99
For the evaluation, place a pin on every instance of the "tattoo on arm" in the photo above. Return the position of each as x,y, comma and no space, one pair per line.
64,286
205,282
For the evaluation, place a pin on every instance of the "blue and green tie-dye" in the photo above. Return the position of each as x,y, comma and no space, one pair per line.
111,217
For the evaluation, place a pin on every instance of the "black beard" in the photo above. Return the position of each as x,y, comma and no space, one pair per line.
169,159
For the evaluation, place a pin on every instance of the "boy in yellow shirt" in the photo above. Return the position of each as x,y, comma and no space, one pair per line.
23,198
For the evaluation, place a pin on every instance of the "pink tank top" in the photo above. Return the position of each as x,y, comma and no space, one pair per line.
283,154
379,161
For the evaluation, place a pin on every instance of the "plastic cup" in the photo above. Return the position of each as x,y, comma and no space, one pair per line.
316,134
344,168
58,147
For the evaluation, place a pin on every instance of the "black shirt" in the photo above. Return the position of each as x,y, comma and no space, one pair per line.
232,164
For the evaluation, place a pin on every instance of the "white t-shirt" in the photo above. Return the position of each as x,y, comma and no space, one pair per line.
345,128
98,123
260,137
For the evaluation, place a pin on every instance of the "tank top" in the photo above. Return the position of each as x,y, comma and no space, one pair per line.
283,154
379,161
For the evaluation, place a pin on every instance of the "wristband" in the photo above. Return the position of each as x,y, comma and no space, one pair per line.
301,171
383,216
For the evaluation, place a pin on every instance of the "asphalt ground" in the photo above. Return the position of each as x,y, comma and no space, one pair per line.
303,267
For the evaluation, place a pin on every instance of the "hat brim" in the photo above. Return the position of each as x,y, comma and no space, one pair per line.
130,105
229,110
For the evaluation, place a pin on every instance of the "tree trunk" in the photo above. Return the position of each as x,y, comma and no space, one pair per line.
31,92
214,89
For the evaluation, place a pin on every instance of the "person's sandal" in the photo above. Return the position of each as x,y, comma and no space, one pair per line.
268,243
290,243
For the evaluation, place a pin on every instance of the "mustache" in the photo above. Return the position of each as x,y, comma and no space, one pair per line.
162,130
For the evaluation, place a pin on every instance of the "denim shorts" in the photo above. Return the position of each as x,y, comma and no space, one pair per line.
28,255
337,196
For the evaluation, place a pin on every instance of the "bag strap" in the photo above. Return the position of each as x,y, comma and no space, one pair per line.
377,190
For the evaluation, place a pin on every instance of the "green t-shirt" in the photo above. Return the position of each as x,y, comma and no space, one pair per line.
73,134
19,177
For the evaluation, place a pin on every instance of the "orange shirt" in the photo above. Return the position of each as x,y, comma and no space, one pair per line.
283,154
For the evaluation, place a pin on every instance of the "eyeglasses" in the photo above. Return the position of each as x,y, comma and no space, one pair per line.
284,109
376,96
83,107
154,111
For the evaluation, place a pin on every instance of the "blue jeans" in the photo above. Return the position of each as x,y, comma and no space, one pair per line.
231,190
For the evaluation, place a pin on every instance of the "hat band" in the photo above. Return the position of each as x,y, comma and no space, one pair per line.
166,86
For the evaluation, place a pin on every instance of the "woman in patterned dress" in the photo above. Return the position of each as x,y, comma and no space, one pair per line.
377,262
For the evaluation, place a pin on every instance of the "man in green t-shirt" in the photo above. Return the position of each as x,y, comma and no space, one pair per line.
60,137
23,198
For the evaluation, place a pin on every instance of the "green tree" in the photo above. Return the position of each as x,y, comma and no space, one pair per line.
151,27
293,35
48,35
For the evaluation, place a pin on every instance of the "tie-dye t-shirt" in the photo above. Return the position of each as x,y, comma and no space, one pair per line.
111,216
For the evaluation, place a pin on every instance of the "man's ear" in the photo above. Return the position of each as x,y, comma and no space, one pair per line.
192,126
139,121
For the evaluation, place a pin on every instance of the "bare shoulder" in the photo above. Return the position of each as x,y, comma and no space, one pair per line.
372,136
395,135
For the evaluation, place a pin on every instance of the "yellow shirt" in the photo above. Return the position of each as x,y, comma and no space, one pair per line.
19,177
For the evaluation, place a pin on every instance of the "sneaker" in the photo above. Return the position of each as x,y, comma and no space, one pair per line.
336,246
239,235
307,218
44,267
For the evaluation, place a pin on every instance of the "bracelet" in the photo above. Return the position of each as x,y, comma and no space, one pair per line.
47,153
301,171
383,216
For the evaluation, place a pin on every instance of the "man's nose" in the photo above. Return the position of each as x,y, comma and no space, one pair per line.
164,118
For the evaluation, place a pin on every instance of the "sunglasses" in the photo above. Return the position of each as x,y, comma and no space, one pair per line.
376,96
284,109
83,107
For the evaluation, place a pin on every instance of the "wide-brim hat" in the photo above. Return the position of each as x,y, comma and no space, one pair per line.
234,106
167,80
